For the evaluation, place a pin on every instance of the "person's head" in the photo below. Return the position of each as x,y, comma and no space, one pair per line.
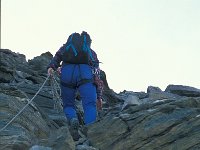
85,36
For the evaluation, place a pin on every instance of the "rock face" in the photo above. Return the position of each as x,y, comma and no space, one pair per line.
162,124
129,120
30,128
39,123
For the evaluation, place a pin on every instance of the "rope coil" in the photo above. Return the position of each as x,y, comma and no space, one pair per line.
56,95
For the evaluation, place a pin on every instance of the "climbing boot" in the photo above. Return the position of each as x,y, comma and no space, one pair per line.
74,126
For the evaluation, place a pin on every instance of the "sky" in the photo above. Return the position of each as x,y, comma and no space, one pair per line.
140,43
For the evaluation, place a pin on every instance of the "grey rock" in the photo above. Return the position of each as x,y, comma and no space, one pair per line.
40,63
129,120
85,147
183,90
37,147
107,131
166,126
29,128
153,89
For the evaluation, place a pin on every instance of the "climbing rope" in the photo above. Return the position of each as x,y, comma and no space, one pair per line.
25,105
56,96
56,92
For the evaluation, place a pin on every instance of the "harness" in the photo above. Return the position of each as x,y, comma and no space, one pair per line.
79,83
84,54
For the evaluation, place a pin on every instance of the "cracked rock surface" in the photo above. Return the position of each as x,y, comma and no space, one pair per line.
152,120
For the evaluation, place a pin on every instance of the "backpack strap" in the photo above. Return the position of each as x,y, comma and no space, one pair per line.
69,85
86,48
72,46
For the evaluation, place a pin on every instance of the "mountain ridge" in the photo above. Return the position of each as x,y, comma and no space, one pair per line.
154,119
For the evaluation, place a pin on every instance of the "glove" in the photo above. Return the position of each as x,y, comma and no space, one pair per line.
50,71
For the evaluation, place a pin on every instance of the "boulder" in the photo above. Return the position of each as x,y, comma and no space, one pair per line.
183,90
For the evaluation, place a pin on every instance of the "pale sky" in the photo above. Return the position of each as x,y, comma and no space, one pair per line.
140,42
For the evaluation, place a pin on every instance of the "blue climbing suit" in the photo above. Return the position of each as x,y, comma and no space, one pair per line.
73,77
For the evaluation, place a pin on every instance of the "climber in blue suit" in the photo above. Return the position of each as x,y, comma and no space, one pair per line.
79,66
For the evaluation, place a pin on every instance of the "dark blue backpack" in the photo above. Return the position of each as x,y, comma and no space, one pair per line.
77,49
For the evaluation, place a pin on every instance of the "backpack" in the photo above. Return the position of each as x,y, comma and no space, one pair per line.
77,49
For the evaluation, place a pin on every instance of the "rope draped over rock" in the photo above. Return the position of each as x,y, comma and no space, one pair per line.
29,102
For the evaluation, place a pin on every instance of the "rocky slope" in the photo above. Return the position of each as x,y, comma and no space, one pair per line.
129,120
